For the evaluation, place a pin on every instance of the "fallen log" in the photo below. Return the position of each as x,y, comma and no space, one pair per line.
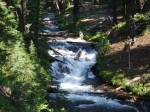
56,52
6,91
97,25
59,34
55,33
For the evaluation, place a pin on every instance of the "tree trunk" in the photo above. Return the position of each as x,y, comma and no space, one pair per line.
114,12
68,4
75,11
21,15
37,26
130,8
123,9
95,2
59,5
76,8
145,5
23,8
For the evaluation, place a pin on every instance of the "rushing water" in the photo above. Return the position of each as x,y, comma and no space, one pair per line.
71,71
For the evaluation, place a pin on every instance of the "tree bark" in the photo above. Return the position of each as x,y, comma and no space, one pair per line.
75,12
76,8
130,8
123,9
146,5
114,12
21,15
59,5
95,2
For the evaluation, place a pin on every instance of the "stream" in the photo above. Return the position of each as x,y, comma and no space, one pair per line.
71,72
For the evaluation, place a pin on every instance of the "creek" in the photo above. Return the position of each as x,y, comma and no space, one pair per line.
71,72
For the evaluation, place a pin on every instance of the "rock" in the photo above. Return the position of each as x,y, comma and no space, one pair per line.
78,54
52,89
54,96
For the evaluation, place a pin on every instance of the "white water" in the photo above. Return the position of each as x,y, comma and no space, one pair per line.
72,81
72,74
98,101
72,68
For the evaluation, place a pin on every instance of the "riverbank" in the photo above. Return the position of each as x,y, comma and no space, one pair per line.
117,60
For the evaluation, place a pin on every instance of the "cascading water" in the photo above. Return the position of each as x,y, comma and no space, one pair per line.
71,72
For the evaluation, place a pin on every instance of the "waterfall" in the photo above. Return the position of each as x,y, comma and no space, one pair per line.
72,70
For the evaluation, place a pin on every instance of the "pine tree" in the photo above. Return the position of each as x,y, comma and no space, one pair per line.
22,79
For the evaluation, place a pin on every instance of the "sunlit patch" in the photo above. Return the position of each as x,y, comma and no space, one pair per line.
86,20
75,40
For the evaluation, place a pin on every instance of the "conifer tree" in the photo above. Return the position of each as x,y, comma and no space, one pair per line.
22,78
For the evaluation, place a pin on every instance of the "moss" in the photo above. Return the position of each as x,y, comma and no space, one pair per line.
119,25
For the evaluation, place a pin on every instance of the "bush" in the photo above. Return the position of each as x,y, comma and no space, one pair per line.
143,22
139,89
113,78
118,80
145,78
107,75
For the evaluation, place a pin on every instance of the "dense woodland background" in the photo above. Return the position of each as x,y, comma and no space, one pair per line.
24,63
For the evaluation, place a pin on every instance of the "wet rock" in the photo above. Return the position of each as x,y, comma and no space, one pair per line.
52,89
94,69
54,96
78,54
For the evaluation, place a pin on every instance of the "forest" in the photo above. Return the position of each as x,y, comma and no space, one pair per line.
50,49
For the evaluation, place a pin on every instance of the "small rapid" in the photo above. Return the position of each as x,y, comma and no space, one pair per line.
73,65
71,72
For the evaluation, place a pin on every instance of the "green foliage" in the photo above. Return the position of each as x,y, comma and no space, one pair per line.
119,25
107,75
20,71
118,80
111,77
121,29
102,46
33,12
32,50
146,78
26,78
143,22
66,23
139,89
102,43
94,38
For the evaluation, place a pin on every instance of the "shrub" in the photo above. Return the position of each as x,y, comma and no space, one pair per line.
139,89
111,77
107,75
118,80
